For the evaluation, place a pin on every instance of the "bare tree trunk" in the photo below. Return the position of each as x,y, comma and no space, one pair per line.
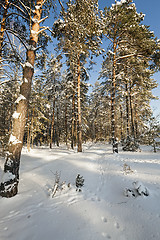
73,121
132,118
32,138
66,122
52,123
127,109
122,138
9,184
136,121
113,96
28,135
3,25
79,108
57,128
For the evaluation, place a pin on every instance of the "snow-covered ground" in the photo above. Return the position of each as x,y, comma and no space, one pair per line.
100,211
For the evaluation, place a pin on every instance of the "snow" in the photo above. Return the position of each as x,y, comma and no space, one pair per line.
21,97
38,7
99,211
25,80
16,115
27,64
33,32
14,140
7,176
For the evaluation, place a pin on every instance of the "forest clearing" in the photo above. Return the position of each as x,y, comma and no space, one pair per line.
101,210
79,134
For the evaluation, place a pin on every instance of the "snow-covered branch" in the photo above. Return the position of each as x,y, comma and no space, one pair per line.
129,55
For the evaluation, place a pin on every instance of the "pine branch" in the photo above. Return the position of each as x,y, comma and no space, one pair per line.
16,53
6,81
17,35
13,13
129,55
21,10
24,7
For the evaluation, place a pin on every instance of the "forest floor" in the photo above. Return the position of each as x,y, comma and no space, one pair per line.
101,210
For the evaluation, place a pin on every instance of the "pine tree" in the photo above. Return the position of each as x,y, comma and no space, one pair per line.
78,39
129,40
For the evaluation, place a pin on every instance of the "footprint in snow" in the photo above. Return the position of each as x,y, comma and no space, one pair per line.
104,219
117,225
104,234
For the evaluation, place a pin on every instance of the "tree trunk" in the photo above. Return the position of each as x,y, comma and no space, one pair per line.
127,109
66,122
28,134
9,184
57,128
132,118
52,123
32,131
113,96
122,138
136,121
79,107
3,25
73,121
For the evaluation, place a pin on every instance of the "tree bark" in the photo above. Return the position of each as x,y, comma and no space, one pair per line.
132,118
122,138
113,96
3,25
28,134
32,131
73,121
127,109
52,123
79,107
66,122
9,184
57,128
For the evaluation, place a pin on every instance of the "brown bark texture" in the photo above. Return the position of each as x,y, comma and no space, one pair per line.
9,184
79,108
3,25
113,96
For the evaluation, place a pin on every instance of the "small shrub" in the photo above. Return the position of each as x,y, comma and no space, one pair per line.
79,182
127,169
138,190
130,145
58,185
